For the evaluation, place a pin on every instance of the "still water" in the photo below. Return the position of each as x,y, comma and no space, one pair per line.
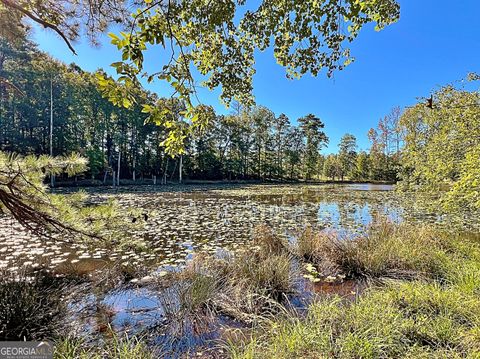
184,220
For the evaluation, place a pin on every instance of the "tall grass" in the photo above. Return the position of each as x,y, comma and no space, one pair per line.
246,287
387,250
408,320
31,307
116,347
430,310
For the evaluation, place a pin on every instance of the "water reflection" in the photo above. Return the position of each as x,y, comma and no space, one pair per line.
186,220
205,221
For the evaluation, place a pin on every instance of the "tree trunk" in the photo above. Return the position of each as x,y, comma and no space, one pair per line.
134,164
52,176
118,167
180,170
164,181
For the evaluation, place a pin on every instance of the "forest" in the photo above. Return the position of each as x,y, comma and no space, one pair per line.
136,226
251,143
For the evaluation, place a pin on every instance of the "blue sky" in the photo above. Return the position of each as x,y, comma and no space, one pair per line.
435,42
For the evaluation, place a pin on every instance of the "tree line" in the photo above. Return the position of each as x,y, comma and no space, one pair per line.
249,143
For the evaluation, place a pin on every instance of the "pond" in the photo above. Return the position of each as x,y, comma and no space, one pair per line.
183,220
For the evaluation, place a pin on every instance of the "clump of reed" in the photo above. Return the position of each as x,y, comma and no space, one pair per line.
386,250
31,306
247,286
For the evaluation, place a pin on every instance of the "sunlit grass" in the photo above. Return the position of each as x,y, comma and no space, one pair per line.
423,300
386,250
426,305
394,321
116,347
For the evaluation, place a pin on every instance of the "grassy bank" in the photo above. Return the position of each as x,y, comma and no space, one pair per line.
423,301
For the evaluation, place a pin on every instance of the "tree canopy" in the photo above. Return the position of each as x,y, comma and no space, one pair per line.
210,41
215,42
69,19
442,146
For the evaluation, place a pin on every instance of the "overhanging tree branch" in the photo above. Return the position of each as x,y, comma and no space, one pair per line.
46,24
3,80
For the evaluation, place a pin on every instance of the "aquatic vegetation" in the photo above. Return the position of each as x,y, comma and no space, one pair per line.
187,220
243,288
431,308
311,245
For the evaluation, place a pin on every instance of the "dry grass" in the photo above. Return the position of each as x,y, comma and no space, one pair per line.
248,287
387,250
252,283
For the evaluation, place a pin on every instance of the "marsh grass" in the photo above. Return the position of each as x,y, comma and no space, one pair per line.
257,287
188,310
258,281
241,279
116,347
408,320
423,302
245,287
386,250
31,306
311,246
426,305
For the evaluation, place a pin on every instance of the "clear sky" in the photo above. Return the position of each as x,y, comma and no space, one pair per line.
435,42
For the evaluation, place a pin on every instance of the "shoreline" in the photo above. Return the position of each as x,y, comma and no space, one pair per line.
187,183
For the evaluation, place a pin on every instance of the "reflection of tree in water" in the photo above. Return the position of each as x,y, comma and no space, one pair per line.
354,215
207,221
